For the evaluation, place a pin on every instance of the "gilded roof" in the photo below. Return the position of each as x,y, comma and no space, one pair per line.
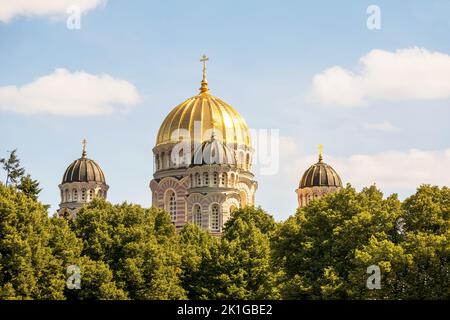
201,115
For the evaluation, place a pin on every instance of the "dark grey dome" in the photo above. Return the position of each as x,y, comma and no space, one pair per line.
84,170
320,175
213,151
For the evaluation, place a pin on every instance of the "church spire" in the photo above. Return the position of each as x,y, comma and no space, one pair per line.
204,88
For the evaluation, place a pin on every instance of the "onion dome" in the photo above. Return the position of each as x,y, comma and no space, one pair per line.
84,170
203,113
213,151
320,175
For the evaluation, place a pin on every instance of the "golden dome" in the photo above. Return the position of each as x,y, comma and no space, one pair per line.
205,114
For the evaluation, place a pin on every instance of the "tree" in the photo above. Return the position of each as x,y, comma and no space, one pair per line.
12,167
196,247
29,270
138,245
317,246
240,266
29,187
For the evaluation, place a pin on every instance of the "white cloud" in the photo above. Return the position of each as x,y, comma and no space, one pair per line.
70,94
397,169
393,170
406,74
43,8
384,126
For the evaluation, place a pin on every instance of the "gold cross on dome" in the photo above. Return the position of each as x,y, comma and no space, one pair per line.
204,59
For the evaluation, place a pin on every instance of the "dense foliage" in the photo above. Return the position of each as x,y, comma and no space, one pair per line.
322,252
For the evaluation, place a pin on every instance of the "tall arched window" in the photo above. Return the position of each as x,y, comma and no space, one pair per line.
157,162
232,180
215,223
247,162
198,215
171,205
215,179
75,195
83,195
67,196
206,178
191,181
91,194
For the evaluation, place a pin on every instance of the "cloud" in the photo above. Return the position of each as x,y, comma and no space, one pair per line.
393,170
384,126
406,74
44,8
397,169
70,94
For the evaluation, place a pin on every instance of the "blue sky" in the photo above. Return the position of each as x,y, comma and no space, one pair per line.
264,56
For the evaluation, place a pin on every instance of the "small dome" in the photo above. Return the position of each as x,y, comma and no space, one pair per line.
84,170
320,175
213,151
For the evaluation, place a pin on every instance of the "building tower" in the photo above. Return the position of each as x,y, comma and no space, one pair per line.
203,162
83,181
319,180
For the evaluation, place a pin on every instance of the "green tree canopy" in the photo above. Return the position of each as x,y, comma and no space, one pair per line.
28,268
317,246
138,245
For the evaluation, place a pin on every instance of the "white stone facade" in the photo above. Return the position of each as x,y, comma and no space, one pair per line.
203,194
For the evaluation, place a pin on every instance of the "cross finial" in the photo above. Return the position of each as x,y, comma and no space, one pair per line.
84,142
204,87
320,152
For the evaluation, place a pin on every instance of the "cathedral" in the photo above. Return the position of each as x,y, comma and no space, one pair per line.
202,162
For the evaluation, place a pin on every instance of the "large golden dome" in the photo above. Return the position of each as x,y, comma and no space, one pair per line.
211,114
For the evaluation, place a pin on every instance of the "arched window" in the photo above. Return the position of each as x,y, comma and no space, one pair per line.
198,179
215,224
206,178
161,166
181,158
171,205
223,179
198,215
75,195
247,162
157,162
91,194
67,196
232,180
191,180
215,179
83,195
